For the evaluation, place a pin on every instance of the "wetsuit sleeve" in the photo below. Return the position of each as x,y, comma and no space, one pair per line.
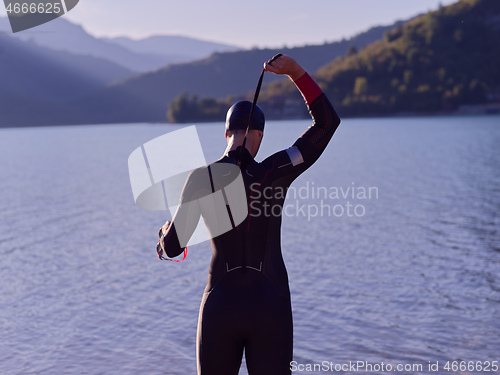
311,144
314,140
185,219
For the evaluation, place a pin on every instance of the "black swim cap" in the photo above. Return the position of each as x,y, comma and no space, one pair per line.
237,117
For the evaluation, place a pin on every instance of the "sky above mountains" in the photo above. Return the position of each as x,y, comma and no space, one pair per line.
255,23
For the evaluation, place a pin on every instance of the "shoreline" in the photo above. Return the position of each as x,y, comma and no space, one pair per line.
468,112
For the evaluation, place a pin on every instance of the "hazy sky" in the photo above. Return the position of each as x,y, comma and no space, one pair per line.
247,24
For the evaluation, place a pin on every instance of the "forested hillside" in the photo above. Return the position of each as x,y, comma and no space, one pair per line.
436,63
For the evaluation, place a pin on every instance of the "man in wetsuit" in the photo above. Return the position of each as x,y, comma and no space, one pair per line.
246,304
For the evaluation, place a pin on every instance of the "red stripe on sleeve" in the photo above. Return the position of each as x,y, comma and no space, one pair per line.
308,88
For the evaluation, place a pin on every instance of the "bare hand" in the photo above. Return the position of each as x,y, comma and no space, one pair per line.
285,65
164,228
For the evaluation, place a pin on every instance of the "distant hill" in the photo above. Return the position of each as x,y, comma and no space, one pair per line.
33,71
435,63
138,56
174,48
36,81
146,97
63,35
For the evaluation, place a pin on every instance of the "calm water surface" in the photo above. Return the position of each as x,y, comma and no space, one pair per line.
404,271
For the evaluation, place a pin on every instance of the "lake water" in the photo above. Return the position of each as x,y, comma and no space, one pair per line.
406,273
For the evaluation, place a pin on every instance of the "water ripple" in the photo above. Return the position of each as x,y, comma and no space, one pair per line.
416,279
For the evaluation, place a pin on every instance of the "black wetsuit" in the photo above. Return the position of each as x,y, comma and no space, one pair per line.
246,304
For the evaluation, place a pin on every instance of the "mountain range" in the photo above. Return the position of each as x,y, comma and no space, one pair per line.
44,68
135,55
86,80
172,48
136,78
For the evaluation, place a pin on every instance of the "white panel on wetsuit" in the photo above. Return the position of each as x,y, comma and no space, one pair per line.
295,155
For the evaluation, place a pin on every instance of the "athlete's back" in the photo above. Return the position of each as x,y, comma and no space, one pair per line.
246,304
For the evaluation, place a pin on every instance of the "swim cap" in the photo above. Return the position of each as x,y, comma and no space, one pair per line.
237,117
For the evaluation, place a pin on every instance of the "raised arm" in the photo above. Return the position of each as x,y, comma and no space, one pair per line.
309,146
